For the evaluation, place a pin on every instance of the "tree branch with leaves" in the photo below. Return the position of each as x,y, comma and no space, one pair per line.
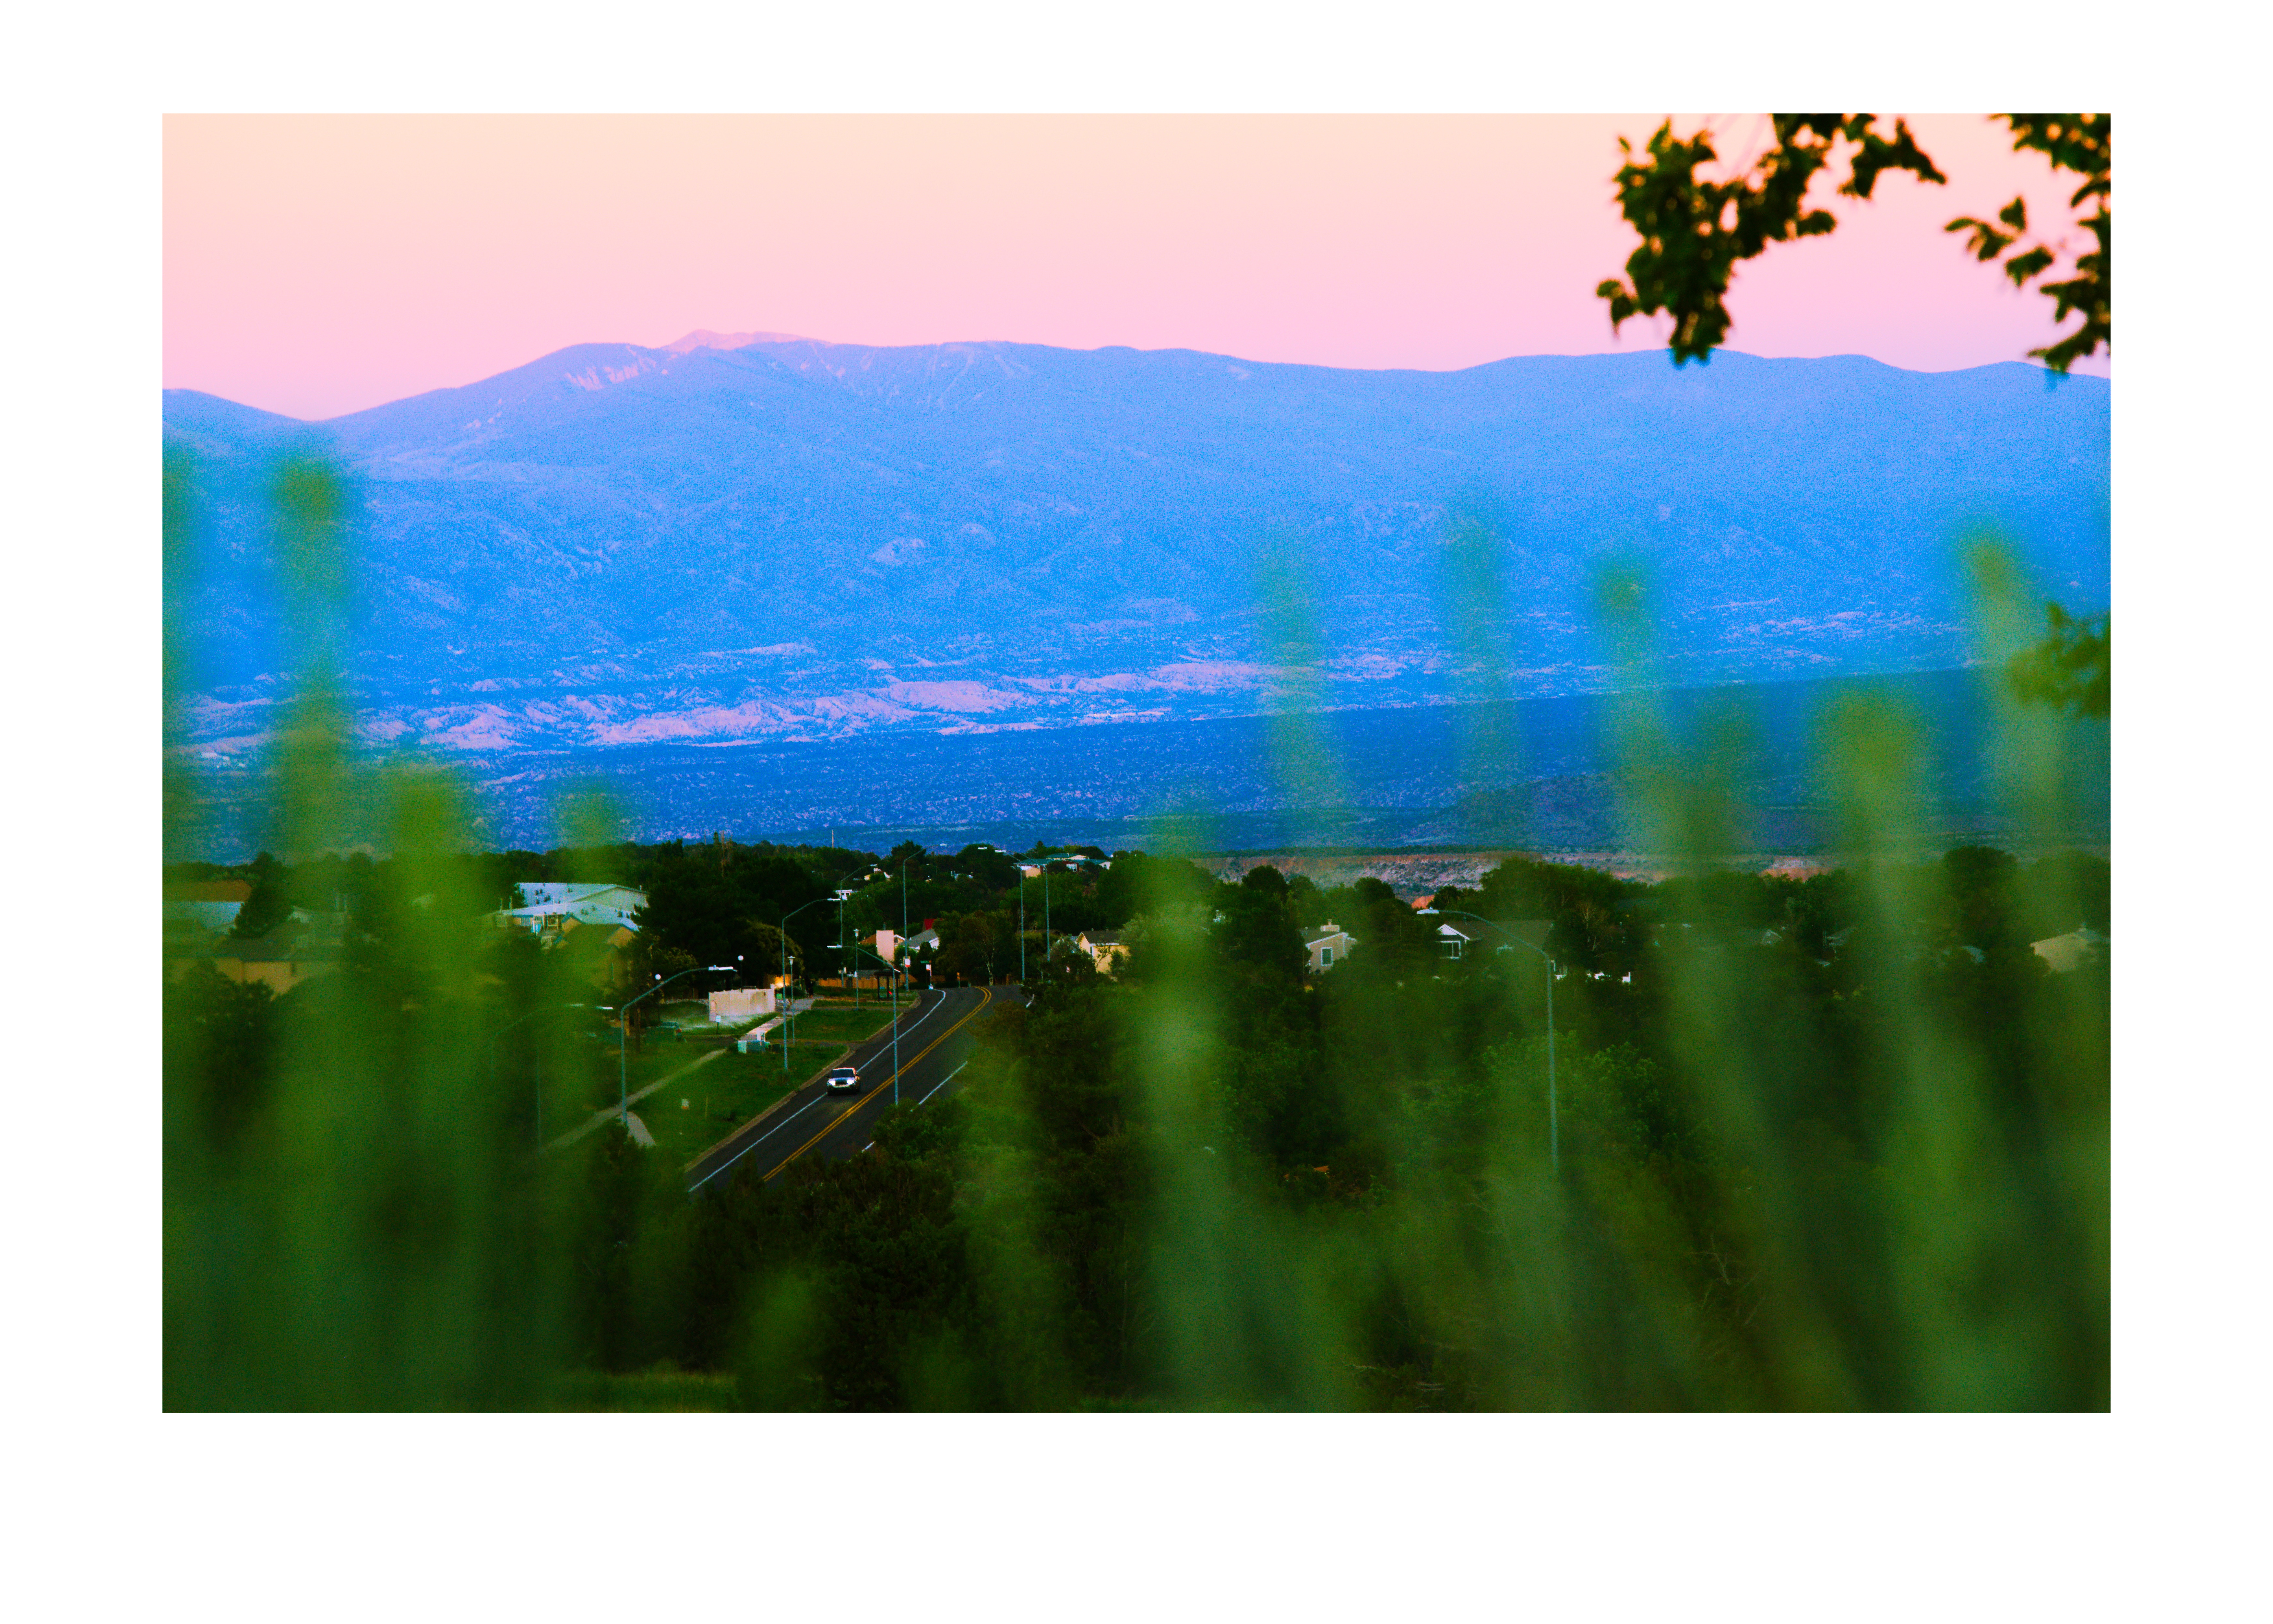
1695,231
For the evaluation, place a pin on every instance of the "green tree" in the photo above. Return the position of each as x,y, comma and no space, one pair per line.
973,946
1139,883
1256,927
768,947
2068,671
992,871
270,904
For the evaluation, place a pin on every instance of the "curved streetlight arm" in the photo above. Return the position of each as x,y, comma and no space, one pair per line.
1554,1116
548,1009
782,926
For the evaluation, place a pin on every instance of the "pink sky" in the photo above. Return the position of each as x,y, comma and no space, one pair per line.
316,266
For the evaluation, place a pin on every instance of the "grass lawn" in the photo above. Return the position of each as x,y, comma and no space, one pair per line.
694,1113
731,1089
840,1023
642,1066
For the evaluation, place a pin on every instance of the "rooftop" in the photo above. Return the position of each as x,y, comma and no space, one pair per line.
208,891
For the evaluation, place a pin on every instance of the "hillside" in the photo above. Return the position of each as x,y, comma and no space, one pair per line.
618,545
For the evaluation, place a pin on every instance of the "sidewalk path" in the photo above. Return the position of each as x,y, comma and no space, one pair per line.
609,1115
795,1007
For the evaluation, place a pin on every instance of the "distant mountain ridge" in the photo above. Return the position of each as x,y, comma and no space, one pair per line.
787,538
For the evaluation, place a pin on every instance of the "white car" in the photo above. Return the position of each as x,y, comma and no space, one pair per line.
842,1077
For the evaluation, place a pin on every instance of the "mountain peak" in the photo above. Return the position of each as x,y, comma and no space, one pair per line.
702,338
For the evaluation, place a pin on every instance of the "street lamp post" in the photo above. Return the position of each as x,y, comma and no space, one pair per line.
536,1077
896,953
789,1018
1554,1122
624,1033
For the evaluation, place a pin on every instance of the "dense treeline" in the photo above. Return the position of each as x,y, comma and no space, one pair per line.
722,902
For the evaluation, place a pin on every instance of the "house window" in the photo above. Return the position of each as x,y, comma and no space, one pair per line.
1325,957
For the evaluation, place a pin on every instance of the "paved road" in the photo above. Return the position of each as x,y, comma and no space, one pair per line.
936,1038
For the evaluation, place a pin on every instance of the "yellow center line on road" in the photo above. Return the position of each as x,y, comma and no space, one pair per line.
985,996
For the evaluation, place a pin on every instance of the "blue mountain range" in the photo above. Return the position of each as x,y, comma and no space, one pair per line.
722,541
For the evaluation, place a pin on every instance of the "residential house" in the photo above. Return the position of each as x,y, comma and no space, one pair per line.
285,958
917,949
593,954
1104,948
203,906
557,894
549,907
1455,938
1327,943
2078,948
1064,862
874,953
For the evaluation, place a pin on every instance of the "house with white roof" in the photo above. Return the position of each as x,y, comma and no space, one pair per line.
1455,938
554,905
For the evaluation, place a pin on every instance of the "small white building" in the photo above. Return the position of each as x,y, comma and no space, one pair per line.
741,1004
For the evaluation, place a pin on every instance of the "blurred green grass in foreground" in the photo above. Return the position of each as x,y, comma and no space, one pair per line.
1776,1175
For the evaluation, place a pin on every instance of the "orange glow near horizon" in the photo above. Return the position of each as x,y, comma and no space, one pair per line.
321,265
